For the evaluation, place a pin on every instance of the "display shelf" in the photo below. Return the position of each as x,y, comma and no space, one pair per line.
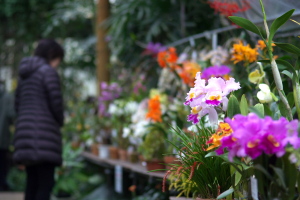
138,168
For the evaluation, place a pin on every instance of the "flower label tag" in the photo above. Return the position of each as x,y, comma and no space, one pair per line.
254,193
119,179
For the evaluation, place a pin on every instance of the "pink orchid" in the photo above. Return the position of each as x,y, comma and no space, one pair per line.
204,98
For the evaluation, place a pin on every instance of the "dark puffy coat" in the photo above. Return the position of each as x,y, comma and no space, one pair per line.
39,109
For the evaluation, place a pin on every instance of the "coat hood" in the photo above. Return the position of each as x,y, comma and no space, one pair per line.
29,65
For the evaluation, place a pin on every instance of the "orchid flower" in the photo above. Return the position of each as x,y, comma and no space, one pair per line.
203,99
264,95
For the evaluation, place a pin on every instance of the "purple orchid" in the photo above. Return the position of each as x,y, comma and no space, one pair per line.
215,71
154,48
109,92
253,136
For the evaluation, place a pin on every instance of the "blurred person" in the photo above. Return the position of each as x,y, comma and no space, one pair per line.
39,108
6,119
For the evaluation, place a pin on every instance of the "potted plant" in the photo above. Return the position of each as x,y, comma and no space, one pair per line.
153,148
69,174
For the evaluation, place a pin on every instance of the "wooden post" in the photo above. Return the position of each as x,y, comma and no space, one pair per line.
102,51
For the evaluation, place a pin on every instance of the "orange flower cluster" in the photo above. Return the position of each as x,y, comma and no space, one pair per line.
261,44
223,130
188,72
154,111
167,58
244,53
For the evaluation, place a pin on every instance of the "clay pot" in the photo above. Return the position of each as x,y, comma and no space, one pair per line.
155,164
95,149
114,152
123,155
75,144
133,157
141,158
171,160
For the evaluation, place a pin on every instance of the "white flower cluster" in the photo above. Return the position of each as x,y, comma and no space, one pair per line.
216,57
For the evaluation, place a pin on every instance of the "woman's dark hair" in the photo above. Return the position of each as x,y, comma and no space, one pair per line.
49,49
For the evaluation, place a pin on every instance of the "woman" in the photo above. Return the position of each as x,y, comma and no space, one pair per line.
39,108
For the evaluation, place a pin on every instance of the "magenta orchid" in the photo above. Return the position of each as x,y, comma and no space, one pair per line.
253,136
203,99
216,71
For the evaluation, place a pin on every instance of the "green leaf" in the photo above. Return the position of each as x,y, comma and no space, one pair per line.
233,107
244,105
210,154
246,24
298,63
267,110
237,177
290,98
289,48
287,73
263,170
290,172
280,175
277,23
226,193
258,109
286,64
283,110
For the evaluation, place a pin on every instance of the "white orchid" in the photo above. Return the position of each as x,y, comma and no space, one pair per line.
264,95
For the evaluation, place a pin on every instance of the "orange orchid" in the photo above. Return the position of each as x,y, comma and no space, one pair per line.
167,58
223,130
244,53
261,44
188,72
154,110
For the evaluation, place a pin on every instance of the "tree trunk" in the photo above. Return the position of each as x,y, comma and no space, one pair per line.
102,51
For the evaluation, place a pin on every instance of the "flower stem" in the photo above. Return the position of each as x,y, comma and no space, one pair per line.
276,73
296,92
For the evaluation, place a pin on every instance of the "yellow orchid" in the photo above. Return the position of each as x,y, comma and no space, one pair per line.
223,130
256,76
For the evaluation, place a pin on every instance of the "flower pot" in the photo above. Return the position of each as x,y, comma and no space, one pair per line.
103,151
113,152
95,149
75,144
123,155
155,164
141,158
171,160
133,157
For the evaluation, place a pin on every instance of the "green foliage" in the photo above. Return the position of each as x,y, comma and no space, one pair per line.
153,146
16,179
289,48
71,174
278,23
134,22
233,107
203,175
246,24
278,179
244,105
